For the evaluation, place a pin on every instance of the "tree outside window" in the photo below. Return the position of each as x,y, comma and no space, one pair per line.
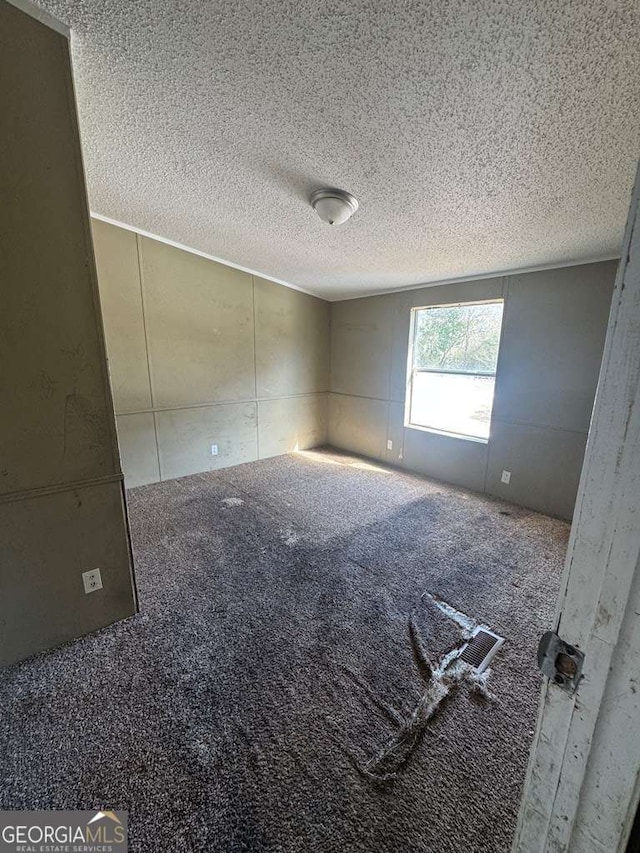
454,360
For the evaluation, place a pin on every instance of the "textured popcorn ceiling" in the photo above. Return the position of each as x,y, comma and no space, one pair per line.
478,136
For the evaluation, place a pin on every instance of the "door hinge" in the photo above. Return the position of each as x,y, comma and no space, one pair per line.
560,661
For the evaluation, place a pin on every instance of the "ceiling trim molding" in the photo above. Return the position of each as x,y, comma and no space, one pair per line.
437,283
479,276
41,15
209,257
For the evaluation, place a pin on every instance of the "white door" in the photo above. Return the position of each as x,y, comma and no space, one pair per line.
582,787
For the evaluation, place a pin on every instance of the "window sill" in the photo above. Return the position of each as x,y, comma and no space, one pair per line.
459,435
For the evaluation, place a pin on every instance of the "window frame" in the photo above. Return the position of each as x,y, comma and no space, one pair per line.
411,370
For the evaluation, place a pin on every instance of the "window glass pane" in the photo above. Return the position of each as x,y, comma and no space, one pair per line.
464,337
453,403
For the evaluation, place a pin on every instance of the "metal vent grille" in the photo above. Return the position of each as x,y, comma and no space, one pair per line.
481,648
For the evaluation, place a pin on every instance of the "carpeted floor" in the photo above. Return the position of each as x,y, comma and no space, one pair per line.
276,692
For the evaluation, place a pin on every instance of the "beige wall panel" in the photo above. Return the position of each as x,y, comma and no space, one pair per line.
361,336
199,318
358,424
292,341
45,544
554,328
400,348
293,423
57,432
545,466
552,343
52,364
138,450
454,460
479,290
116,253
395,434
57,422
185,437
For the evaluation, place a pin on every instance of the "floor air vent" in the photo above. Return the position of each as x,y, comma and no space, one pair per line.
481,648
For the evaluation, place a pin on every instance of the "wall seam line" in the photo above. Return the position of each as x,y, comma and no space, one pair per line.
363,397
497,420
144,317
57,488
210,404
389,377
386,438
155,434
255,366
505,308
147,350
583,432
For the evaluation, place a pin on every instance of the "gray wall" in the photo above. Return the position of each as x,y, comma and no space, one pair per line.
61,493
553,335
201,353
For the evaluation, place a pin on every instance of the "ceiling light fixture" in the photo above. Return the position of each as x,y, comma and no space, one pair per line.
333,206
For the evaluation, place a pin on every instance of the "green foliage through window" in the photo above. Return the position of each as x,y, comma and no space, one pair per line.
458,338
455,355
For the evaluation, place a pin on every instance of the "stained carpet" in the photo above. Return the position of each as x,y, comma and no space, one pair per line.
277,691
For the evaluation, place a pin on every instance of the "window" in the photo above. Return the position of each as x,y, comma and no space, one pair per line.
453,367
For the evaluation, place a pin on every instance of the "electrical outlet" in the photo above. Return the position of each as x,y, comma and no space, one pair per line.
91,580
214,449
506,477
389,444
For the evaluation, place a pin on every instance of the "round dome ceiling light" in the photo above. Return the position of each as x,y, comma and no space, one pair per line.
333,206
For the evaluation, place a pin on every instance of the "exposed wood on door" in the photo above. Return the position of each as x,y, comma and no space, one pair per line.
581,791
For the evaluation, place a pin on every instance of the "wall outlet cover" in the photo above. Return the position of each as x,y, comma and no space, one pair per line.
214,449
91,580
389,445
506,477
